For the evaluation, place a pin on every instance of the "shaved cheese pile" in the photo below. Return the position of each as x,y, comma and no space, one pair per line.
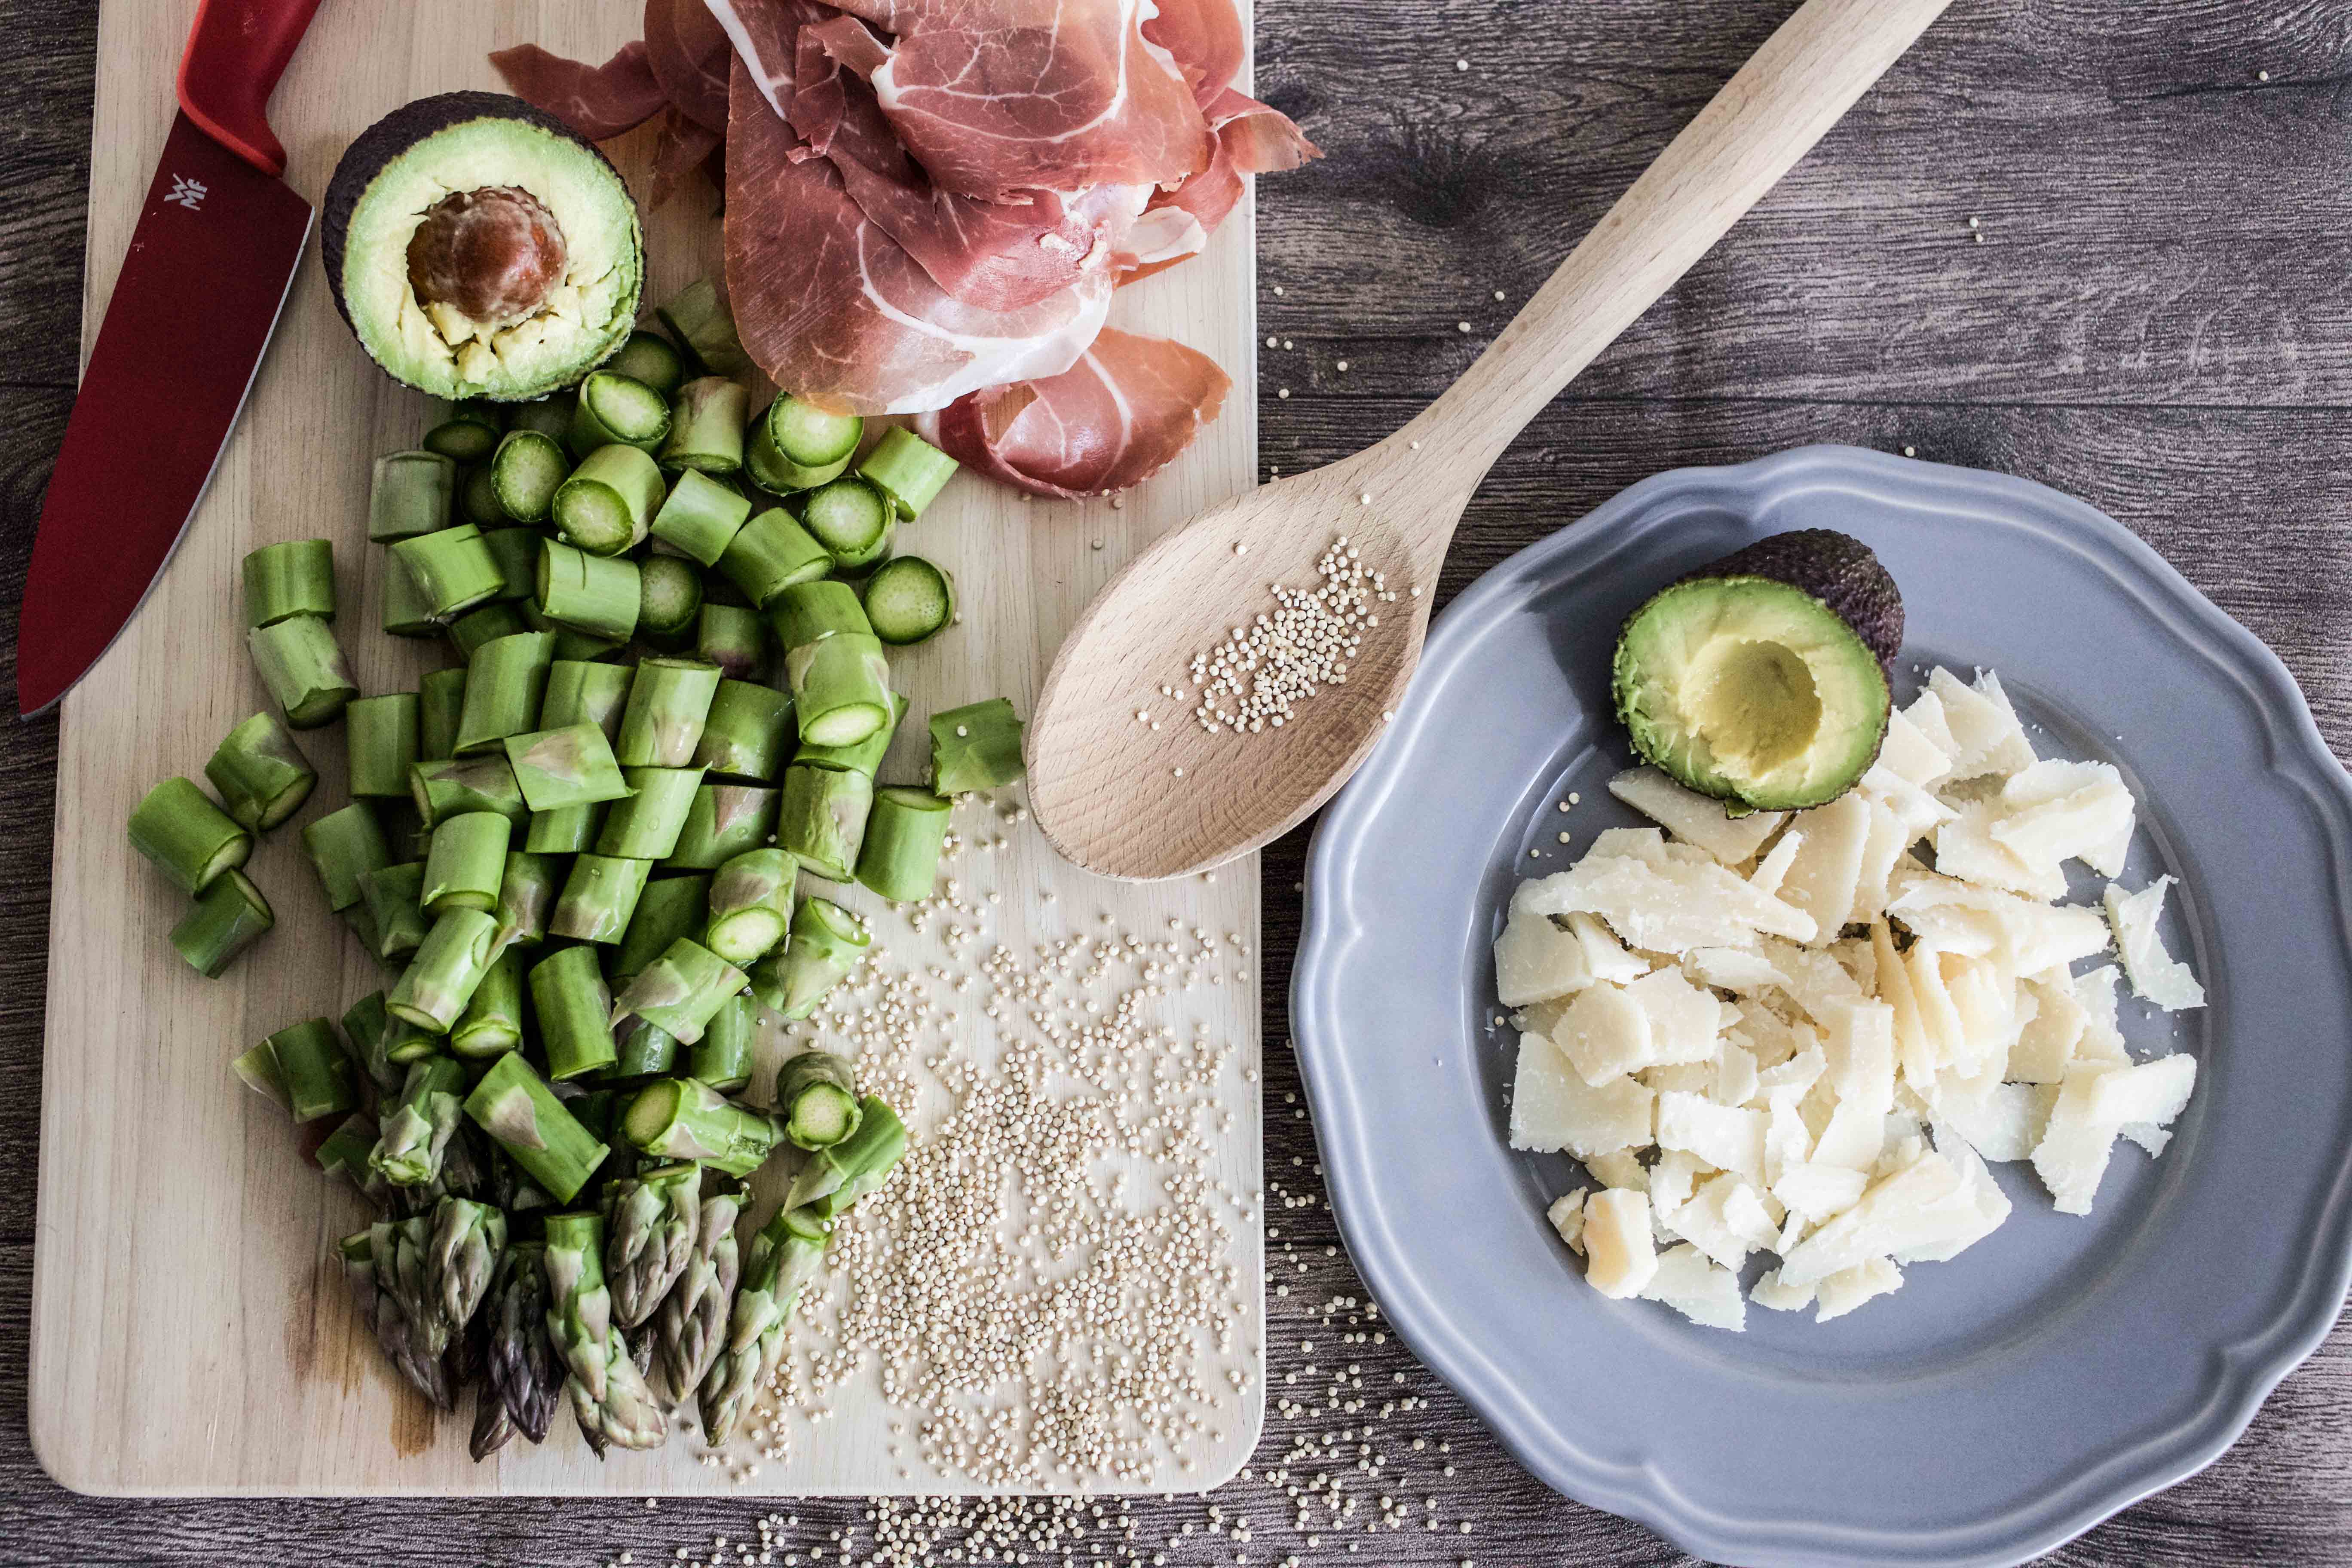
1796,1033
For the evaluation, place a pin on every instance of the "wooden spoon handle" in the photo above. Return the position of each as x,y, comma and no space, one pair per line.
1783,100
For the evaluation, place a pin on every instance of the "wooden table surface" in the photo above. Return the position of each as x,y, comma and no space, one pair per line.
2099,243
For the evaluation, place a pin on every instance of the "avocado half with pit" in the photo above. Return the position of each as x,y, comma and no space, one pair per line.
1762,679
480,248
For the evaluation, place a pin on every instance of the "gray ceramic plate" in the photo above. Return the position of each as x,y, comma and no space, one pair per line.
2000,1403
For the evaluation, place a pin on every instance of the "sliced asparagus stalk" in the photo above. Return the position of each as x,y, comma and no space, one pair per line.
598,898
668,704
651,1222
440,980
670,600
477,630
841,687
550,415
404,612
394,897
642,1049
822,818
909,600
477,499
526,1375
258,1070
468,1237
343,1157
526,898
865,756
567,830
816,1099
366,1031
607,505
723,1058
852,520
417,1127
261,776
517,550
575,1012
702,517
784,1257
905,834
724,821
826,943
570,766
597,594
975,747
680,990
691,1324
569,644
295,578
609,1396
770,553
381,1311
440,704
513,1105
578,692
382,736
748,734
227,918
649,358
645,825
492,1022
452,570
462,440
468,862
907,469
344,845
700,323
679,1119
705,429
730,637
811,612
615,409
446,788
750,904
301,662
670,908
836,1177
796,445
505,683
408,494
526,471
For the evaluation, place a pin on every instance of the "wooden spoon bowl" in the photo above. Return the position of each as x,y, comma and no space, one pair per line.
1123,779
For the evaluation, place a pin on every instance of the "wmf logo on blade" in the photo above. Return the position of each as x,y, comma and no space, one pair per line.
189,193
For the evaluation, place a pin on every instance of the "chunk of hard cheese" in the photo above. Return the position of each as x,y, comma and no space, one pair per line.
2156,975
1696,818
1700,1290
1553,1109
1620,1257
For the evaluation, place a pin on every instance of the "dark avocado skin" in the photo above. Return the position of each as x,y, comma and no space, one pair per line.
1835,568
385,142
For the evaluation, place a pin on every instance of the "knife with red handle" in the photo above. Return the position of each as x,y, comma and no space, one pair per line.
215,251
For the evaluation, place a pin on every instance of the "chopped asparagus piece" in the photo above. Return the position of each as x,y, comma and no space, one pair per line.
295,578
574,1010
261,776
975,747
679,1119
514,1106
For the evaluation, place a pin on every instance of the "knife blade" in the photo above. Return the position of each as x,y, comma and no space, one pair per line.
217,246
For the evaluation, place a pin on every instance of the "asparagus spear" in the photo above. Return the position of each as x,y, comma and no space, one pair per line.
596,595
525,1376
770,553
820,818
679,1119
705,436
504,684
723,1058
261,776
730,637
784,1256
670,908
467,863
748,734
646,824
609,1396
492,1021
582,692
444,788
189,838
317,1074
381,1310
668,703
440,980
691,1325
808,613
679,991
835,1178
642,1049
343,1157
440,703
700,323
514,1106
750,904
227,918
826,943
796,445
975,747
301,662
723,821
570,766
345,845
607,506
411,494
518,551
816,1099
392,896
599,897
907,469
865,756
382,734
574,1013
257,1070
451,569
477,629
367,1031
614,408
905,835
841,687
651,1221
404,614
463,1254
416,1127
526,898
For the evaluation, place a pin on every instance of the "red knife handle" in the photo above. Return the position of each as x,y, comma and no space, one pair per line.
237,52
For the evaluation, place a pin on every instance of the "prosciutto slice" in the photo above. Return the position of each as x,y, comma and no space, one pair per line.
828,304
1108,423
597,102
1204,39
1252,139
688,50
996,97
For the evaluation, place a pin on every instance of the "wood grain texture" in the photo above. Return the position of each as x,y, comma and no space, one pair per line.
2170,345
251,1370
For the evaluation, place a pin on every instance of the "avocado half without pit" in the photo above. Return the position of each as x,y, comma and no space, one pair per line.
480,248
1762,678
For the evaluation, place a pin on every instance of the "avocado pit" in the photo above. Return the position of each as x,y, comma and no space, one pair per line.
492,254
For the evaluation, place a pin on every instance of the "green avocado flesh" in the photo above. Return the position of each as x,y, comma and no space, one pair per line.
1752,691
478,248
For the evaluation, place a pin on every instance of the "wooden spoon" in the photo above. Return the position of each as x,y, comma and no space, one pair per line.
1122,797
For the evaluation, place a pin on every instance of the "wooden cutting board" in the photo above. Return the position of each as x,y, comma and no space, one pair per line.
190,1332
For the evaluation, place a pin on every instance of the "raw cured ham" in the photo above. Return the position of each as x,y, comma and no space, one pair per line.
1252,139
1108,423
830,305
689,52
598,101
1204,39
